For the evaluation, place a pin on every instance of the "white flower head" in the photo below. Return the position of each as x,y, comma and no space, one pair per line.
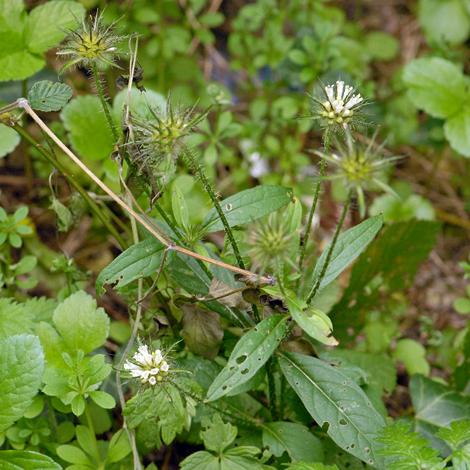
341,109
148,367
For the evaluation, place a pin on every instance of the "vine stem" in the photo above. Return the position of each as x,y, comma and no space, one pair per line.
316,286
215,201
94,207
23,103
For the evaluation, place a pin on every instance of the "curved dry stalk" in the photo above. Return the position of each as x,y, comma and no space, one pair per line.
23,103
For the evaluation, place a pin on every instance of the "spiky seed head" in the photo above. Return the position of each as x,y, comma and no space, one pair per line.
360,166
91,42
155,143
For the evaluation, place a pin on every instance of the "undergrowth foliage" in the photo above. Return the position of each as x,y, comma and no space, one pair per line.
238,331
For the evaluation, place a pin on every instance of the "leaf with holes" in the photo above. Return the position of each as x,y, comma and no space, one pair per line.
249,355
48,96
332,397
247,206
140,260
348,247
295,439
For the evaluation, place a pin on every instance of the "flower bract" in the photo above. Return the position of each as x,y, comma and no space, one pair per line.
90,43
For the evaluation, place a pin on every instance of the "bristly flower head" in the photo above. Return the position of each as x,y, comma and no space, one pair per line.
360,166
149,367
90,43
155,144
272,244
340,110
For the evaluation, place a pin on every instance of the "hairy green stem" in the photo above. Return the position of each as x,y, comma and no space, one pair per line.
195,164
93,206
313,208
104,103
310,219
316,286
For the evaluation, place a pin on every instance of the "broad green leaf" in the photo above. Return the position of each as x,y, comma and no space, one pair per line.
348,247
435,85
73,454
201,331
119,447
21,369
180,210
48,96
12,15
200,461
41,31
445,23
296,439
88,128
26,460
9,140
217,434
314,322
413,355
456,131
164,408
436,406
313,466
249,355
103,399
80,325
19,64
15,318
86,439
393,259
332,397
140,260
247,206
381,45
241,458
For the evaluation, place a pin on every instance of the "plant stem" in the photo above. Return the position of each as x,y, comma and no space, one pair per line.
92,430
28,165
316,286
104,103
313,208
310,218
195,164
138,316
94,207
25,105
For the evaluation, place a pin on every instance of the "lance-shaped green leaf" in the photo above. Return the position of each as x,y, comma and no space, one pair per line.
348,247
295,438
21,369
180,210
249,355
140,260
332,397
314,322
48,96
26,460
247,206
